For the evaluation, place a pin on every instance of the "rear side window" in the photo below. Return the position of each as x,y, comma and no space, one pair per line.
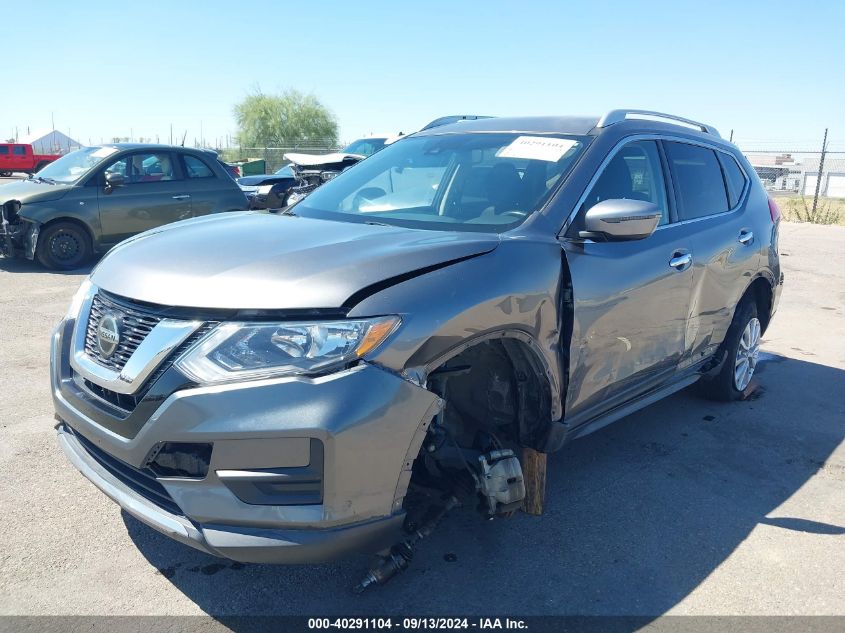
196,168
19,150
734,178
699,185
4,150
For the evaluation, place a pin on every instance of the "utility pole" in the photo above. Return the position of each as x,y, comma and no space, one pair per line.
821,171
171,134
731,139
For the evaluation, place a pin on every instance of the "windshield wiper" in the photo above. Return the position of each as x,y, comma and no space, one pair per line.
376,223
34,178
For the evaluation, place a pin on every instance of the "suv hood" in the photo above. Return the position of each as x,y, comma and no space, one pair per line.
261,261
29,191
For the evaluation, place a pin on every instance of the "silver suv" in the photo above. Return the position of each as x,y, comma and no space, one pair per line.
289,387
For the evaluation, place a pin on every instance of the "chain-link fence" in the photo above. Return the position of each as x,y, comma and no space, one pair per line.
273,156
808,186
800,173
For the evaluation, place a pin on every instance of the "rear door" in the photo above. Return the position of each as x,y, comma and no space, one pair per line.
630,298
711,190
208,191
154,193
21,158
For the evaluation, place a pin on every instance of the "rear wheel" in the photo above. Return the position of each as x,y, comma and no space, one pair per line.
63,246
742,344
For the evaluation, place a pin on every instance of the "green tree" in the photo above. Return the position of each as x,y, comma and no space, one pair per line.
283,120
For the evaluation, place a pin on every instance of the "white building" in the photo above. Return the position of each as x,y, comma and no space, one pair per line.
50,142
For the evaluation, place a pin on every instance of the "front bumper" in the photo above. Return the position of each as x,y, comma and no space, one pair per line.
19,239
368,421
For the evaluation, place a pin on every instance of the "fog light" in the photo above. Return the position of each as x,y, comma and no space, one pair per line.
180,459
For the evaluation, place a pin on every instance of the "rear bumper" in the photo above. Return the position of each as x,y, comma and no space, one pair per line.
776,292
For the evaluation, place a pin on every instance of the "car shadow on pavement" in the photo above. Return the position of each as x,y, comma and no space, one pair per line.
20,265
638,515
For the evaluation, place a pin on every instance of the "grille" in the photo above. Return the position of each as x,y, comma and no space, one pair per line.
136,325
129,402
141,480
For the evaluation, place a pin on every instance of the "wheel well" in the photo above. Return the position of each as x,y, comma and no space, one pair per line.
760,291
498,386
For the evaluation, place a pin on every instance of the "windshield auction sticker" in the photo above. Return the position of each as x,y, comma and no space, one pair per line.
537,148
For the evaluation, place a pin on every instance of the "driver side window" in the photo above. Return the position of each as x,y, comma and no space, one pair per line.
143,168
634,173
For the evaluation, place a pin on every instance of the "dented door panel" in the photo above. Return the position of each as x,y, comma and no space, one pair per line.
630,319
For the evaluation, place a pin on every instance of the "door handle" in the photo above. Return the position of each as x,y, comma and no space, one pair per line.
183,196
746,237
681,261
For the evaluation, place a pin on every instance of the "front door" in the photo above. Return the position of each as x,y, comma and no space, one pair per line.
631,298
154,193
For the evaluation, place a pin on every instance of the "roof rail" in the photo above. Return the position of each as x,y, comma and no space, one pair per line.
617,116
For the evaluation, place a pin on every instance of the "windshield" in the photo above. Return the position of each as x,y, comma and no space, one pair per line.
456,182
71,167
364,146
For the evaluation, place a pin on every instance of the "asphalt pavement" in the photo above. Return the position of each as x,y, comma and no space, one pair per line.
687,507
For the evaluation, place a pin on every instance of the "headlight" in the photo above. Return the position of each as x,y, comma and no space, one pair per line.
243,351
264,189
78,298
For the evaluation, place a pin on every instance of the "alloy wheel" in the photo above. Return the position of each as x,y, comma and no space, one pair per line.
747,353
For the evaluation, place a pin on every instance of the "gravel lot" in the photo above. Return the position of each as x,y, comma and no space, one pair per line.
687,507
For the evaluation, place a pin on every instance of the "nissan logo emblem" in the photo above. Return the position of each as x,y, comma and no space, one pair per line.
108,334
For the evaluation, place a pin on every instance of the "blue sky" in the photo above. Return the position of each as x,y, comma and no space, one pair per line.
772,71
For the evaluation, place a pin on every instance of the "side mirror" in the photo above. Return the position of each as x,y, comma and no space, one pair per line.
621,219
114,180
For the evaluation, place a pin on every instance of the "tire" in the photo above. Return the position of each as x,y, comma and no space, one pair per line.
63,246
5,174
743,347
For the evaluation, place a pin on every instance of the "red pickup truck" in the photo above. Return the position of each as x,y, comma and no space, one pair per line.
20,157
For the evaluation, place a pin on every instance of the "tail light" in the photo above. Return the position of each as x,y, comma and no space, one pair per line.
774,210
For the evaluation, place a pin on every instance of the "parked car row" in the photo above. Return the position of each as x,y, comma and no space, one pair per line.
84,203
89,200
306,172
289,388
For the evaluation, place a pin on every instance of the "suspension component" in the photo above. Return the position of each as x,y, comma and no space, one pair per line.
400,555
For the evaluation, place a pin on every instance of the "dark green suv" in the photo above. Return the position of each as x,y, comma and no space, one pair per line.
91,199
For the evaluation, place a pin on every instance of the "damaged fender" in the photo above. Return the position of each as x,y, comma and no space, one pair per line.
511,294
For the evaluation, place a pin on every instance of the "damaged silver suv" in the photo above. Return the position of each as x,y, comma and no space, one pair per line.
290,387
